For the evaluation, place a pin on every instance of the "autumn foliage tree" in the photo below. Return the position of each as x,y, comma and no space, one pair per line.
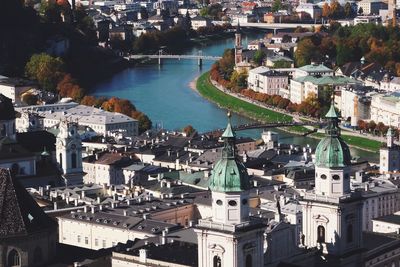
188,130
68,87
47,70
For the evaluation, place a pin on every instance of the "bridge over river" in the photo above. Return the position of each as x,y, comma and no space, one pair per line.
199,57
243,127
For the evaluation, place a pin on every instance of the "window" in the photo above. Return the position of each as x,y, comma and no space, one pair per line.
104,243
60,160
79,239
349,233
217,261
37,255
249,261
232,203
86,240
323,176
13,259
321,234
336,177
219,202
96,242
73,160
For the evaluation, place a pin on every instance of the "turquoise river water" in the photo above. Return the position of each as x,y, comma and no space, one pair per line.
164,94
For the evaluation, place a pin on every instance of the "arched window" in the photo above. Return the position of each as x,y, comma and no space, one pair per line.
249,261
323,176
73,160
349,233
3,130
13,259
60,160
336,177
321,234
217,261
37,255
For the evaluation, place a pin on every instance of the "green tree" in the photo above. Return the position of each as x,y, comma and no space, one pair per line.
258,57
277,5
306,52
50,11
348,10
360,11
282,64
47,70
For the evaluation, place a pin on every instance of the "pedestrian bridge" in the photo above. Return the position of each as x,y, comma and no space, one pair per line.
200,57
249,126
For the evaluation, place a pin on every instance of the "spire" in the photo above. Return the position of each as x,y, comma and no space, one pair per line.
228,133
333,123
238,28
229,138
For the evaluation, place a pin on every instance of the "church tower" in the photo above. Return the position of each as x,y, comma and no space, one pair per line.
238,45
332,214
389,155
69,153
230,238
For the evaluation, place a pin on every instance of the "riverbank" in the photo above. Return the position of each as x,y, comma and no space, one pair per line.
255,112
208,91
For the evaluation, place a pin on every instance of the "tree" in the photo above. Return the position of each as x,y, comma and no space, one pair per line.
144,121
336,10
360,11
348,10
188,130
30,99
50,11
143,13
258,57
306,51
371,126
47,70
115,104
277,5
68,87
326,10
286,39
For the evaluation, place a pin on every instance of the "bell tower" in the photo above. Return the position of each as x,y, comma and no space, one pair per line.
230,237
238,45
69,153
332,214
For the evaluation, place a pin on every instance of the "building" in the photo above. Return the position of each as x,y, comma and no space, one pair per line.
390,84
312,9
28,236
238,46
354,104
13,88
199,21
230,237
69,153
104,226
101,121
303,86
332,214
387,224
264,80
385,108
313,70
371,7
389,159
106,168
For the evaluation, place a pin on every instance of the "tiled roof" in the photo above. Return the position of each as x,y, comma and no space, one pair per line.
20,215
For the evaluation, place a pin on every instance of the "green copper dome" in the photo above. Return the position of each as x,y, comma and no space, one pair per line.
229,174
332,151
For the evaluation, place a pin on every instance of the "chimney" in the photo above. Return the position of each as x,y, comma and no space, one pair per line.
143,255
93,209
41,191
168,184
164,237
366,186
83,194
145,216
85,209
98,200
75,202
125,213
100,207
55,205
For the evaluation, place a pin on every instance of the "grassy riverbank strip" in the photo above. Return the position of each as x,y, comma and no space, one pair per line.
207,90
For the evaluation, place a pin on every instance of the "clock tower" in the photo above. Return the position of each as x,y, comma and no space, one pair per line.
69,153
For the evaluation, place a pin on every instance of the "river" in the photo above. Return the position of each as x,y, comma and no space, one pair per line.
164,94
